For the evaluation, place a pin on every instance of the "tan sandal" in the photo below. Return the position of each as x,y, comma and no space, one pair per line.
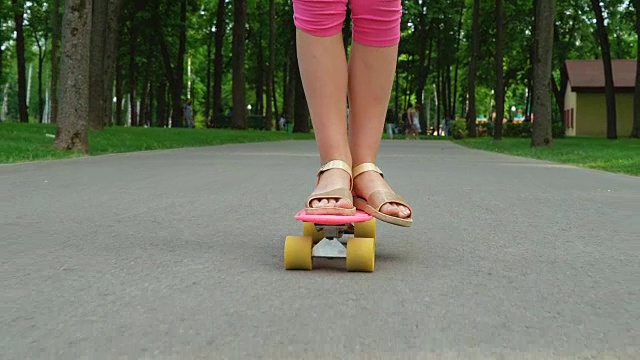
376,199
332,194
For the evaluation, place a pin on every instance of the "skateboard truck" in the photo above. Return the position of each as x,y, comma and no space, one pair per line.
330,247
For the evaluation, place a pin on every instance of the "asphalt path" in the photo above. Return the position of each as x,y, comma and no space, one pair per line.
179,254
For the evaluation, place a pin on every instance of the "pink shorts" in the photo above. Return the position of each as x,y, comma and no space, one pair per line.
375,22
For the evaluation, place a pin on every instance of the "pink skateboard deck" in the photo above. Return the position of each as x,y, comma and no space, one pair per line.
360,216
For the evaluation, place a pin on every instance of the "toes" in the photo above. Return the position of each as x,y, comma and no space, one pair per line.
404,211
331,203
344,203
389,209
396,210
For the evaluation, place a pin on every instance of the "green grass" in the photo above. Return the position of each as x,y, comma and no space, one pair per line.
29,142
620,156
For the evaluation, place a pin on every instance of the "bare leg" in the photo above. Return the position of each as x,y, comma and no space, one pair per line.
371,74
323,69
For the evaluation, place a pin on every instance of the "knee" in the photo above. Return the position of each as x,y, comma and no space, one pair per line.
319,18
376,22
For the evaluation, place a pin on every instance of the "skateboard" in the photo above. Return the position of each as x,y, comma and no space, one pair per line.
323,237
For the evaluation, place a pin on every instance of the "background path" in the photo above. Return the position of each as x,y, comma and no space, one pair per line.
179,253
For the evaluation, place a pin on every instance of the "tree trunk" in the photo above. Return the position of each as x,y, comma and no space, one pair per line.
1,65
457,65
532,55
275,98
96,67
291,83
114,12
55,58
473,64
238,87
162,103
218,61
144,94
438,102
497,133
635,132
177,86
73,113
259,78
527,103
119,121
301,112
132,73
40,91
557,94
543,53
271,66
207,92
422,31
41,56
22,78
609,89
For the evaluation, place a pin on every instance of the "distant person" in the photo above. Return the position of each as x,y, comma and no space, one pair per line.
447,126
412,130
416,121
188,114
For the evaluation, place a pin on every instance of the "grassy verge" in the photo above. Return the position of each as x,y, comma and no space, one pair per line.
29,142
620,156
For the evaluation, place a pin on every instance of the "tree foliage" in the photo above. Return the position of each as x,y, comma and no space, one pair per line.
168,50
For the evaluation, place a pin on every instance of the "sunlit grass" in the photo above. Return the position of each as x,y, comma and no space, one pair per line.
620,156
29,142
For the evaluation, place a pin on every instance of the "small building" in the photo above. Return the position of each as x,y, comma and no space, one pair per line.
585,106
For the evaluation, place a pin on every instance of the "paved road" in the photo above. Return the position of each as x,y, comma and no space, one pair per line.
178,254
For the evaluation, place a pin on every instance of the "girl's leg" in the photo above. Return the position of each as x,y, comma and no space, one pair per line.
323,69
371,74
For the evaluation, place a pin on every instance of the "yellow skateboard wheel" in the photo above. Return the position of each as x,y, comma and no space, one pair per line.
366,229
309,229
361,254
297,253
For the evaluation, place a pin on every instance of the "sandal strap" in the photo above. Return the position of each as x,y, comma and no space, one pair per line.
337,164
366,167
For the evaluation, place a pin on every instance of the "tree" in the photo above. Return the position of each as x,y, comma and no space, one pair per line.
114,13
497,133
218,58
272,60
55,57
239,90
97,106
471,77
104,25
40,31
636,99
543,52
609,88
73,112
18,8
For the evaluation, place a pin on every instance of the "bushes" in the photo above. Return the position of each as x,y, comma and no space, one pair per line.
517,129
459,129
557,130
509,129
